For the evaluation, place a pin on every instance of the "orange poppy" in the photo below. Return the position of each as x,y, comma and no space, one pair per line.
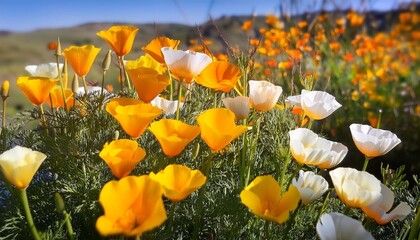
219,76
81,58
36,89
148,82
133,115
155,46
173,135
119,38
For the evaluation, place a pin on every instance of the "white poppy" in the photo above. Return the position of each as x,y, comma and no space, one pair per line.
48,70
238,105
380,209
310,186
168,107
355,188
373,142
185,64
317,104
310,149
333,226
263,94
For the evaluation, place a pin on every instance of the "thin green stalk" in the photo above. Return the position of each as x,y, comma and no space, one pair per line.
294,174
68,225
285,165
3,122
365,163
171,86
291,221
197,219
171,217
267,229
179,98
323,206
378,125
60,77
214,99
103,83
252,158
309,123
243,160
84,84
24,199
415,227
121,60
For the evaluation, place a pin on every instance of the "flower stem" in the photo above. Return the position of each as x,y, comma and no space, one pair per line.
179,99
294,174
267,229
323,206
365,163
24,199
252,158
68,225
171,216
206,171
171,86
3,122
283,171
84,84
415,227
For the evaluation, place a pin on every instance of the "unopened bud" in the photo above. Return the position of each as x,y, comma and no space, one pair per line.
75,84
5,89
59,203
58,50
196,150
107,61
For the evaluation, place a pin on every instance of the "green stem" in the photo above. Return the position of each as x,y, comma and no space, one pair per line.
57,58
243,161
294,174
309,123
68,225
415,227
267,229
206,171
84,84
171,86
291,220
365,163
214,99
171,217
323,206
103,83
24,199
179,98
252,157
3,122
123,73
283,171
378,125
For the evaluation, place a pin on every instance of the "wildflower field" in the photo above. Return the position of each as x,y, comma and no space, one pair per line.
309,132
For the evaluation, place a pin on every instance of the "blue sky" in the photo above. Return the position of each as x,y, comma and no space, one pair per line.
27,15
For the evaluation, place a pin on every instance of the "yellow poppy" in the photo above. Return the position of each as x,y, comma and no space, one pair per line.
122,156
155,46
145,61
132,206
218,127
173,135
133,115
263,197
178,181
36,89
81,58
57,98
148,82
119,38
219,76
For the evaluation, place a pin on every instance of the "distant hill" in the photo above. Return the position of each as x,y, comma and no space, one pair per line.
20,49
